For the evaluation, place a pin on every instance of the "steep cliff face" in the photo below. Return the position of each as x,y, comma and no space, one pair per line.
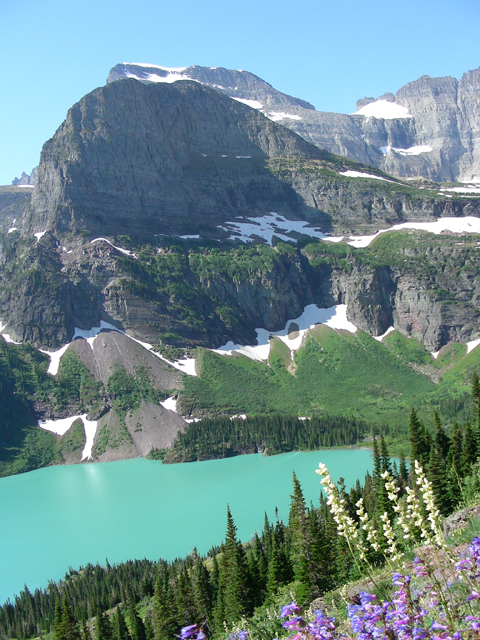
150,159
429,128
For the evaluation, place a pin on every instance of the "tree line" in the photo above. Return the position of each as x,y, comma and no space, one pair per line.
223,437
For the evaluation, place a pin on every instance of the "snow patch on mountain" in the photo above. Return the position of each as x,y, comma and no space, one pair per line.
359,174
383,109
384,335
469,224
472,345
267,226
170,404
254,104
40,234
293,333
276,116
125,251
466,189
156,66
412,151
61,426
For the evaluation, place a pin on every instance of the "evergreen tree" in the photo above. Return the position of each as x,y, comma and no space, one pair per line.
203,592
120,629
437,475
163,609
273,576
234,579
65,626
137,628
385,461
184,599
476,400
442,441
84,632
469,450
103,628
419,446
149,633
402,470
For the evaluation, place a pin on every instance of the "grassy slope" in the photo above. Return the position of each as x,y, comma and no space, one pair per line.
338,373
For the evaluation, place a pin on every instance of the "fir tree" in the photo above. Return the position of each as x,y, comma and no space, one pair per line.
476,400
65,626
419,448
234,579
436,472
120,629
137,628
184,599
163,609
103,628
442,441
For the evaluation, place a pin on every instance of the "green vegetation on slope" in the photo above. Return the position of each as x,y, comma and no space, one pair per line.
337,373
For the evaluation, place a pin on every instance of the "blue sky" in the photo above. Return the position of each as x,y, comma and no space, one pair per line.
52,52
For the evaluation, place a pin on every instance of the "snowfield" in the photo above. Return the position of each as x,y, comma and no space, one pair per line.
334,317
383,109
469,224
61,426
267,226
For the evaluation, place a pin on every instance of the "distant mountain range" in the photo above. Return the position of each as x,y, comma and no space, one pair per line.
429,128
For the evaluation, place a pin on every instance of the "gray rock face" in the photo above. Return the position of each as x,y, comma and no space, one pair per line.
160,158
443,117
241,85
26,179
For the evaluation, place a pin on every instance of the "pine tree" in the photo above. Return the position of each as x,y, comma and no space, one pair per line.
273,575
436,472
184,599
402,470
442,441
476,400
203,592
234,579
163,610
65,626
469,451
385,461
137,628
419,448
84,632
120,629
103,628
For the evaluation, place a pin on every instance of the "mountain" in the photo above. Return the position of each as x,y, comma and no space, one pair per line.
429,128
169,220
26,179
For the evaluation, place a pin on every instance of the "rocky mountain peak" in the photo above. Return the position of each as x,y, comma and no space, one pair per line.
429,128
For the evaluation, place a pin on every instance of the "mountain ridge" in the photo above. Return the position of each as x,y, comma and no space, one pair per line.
437,136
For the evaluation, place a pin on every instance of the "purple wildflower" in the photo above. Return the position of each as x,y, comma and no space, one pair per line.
366,597
289,609
188,632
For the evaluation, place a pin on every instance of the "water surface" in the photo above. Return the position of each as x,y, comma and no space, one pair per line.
68,516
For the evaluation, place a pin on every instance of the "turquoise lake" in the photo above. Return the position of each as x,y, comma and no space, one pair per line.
68,516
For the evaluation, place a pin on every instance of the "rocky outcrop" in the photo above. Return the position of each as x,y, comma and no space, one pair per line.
26,179
434,132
